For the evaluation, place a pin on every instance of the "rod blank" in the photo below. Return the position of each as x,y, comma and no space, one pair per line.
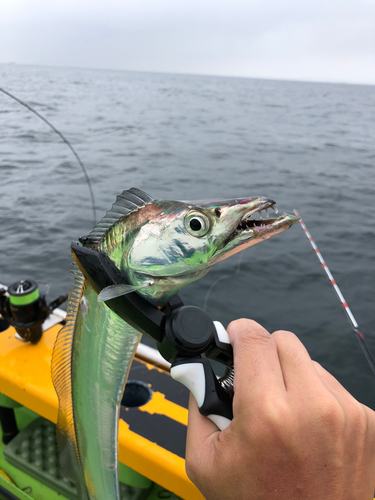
361,339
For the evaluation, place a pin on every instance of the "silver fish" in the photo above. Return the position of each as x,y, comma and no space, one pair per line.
160,246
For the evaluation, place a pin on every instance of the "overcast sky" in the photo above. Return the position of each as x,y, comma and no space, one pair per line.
316,40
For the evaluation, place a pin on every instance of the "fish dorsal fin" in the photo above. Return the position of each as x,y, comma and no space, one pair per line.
61,366
127,202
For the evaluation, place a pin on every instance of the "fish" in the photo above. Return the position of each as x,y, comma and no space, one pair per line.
160,246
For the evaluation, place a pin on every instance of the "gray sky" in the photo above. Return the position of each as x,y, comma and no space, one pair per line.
317,40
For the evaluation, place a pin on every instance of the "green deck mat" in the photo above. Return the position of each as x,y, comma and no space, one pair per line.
34,451
32,488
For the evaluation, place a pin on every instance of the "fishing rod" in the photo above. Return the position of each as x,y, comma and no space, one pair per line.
87,178
361,339
21,305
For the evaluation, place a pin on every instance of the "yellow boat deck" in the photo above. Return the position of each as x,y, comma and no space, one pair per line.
151,437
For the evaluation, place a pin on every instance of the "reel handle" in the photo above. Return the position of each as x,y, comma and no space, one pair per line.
197,375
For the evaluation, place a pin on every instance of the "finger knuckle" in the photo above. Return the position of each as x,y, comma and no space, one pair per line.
248,334
241,324
252,332
281,335
275,417
317,365
237,326
276,412
358,418
331,414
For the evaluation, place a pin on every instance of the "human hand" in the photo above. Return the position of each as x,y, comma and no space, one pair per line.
296,432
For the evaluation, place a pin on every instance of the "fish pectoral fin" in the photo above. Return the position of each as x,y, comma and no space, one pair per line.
113,291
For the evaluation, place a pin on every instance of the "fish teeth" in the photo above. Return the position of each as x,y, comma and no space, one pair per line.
274,209
267,213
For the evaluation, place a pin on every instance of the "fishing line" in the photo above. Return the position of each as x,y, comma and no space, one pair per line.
361,339
66,142
220,278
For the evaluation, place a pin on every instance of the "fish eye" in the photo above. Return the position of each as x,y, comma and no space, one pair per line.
197,224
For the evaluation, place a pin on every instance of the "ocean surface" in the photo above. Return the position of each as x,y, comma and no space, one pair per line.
309,146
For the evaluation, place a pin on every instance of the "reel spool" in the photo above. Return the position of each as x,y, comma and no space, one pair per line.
25,309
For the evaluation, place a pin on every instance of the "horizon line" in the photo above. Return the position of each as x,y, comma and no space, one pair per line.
10,63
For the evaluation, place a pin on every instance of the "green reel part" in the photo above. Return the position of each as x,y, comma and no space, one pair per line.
25,310
23,293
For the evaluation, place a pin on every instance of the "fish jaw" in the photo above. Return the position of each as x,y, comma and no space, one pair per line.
246,237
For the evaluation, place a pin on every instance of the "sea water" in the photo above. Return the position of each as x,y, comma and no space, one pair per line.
309,146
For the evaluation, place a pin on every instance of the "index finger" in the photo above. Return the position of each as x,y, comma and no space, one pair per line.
256,362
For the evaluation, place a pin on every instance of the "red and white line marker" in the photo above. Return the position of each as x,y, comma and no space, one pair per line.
349,313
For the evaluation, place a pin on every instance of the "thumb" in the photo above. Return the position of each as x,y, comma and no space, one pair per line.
200,432
199,426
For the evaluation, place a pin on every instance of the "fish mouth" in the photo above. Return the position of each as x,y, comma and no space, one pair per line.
253,227
249,222
261,226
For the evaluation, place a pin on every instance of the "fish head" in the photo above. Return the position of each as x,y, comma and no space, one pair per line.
177,243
